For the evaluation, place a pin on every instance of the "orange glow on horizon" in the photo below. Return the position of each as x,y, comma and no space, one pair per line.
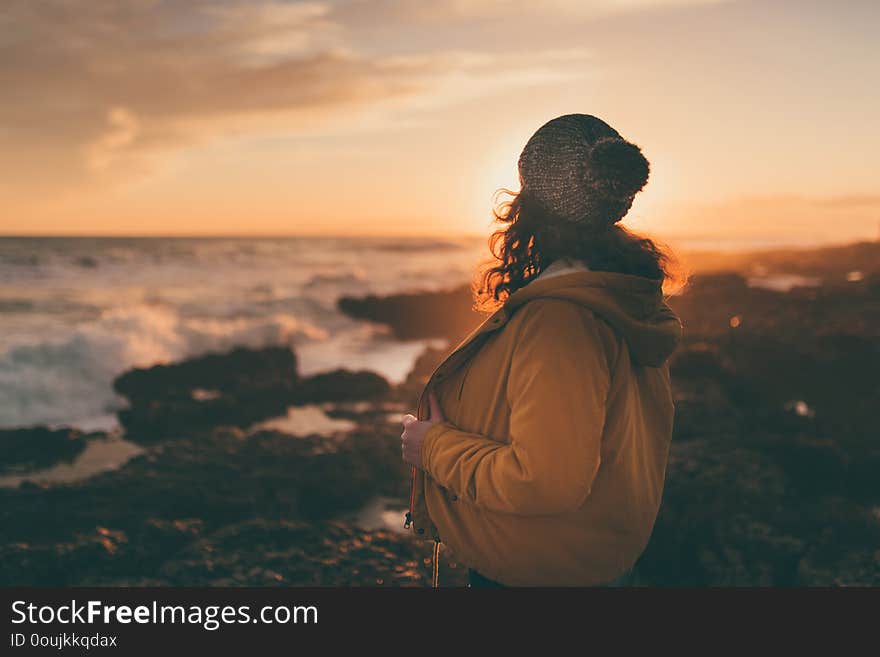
283,120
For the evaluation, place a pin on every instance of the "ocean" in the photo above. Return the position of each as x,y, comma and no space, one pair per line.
77,312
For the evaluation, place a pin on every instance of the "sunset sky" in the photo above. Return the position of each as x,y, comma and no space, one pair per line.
389,117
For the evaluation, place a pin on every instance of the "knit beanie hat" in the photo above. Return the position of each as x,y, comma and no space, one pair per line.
579,169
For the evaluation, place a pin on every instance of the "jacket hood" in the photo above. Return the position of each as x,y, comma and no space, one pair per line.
632,305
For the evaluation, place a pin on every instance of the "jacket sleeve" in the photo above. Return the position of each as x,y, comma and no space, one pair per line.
557,389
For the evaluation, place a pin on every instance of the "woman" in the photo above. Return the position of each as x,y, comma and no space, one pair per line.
541,442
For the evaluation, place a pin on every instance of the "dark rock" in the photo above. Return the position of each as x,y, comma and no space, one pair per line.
828,263
87,262
238,389
238,370
34,448
176,418
165,500
445,314
341,386
718,525
710,302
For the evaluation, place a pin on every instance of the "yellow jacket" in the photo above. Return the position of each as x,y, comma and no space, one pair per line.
549,466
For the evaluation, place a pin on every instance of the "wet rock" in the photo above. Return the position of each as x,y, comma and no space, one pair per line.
445,314
34,448
177,418
238,371
238,388
829,263
759,506
758,492
726,538
165,500
341,386
711,301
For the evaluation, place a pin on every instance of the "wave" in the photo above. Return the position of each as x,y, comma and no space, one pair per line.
77,312
68,381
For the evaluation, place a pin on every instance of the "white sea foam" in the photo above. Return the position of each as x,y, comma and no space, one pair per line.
74,314
68,378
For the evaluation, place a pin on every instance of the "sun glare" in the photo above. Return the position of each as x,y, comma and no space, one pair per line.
497,171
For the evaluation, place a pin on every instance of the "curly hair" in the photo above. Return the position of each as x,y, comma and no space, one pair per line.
531,238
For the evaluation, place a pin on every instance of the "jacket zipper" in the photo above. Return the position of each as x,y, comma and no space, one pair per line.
412,500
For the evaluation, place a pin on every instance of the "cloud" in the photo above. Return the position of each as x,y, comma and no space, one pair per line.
468,10
92,83
96,90
122,130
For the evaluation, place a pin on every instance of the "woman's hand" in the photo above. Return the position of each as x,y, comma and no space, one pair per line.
414,431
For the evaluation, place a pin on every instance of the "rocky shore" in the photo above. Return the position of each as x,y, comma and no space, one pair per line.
772,478
215,499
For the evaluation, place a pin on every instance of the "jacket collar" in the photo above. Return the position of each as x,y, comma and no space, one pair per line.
562,266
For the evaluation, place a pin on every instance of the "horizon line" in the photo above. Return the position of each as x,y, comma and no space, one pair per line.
233,235
719,248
